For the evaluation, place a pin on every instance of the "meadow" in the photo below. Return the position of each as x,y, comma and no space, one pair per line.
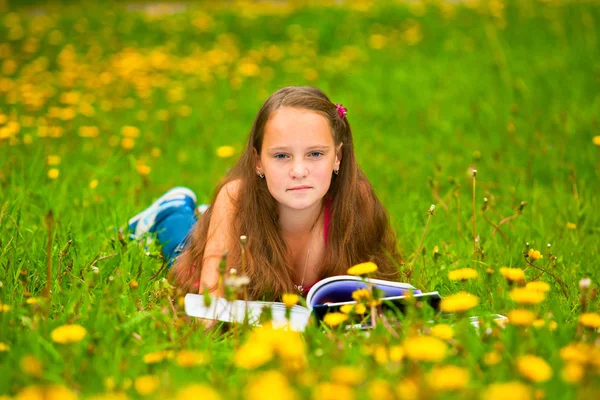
104,107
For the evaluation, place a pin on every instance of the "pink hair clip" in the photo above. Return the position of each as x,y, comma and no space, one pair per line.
342,111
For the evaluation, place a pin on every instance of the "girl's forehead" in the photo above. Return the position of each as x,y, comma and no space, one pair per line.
293,127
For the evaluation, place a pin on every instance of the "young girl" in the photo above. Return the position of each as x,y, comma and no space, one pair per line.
296,193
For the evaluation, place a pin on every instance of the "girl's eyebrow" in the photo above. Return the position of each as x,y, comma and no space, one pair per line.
317,147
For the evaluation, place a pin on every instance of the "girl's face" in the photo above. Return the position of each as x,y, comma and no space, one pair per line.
298,157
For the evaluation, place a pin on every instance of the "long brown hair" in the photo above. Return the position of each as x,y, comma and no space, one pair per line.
359,228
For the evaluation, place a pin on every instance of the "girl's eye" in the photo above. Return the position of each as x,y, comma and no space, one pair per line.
279,156
316,154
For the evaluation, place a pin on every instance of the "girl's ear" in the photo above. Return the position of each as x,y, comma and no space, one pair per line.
338,155
257,163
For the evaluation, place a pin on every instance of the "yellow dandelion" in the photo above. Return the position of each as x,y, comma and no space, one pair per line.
448,377
575,352
590,320
379,389
396,353
527,296
572,372
362,269
157,356
332,391
225,152
334,318
425,348
70,333
32,300
508,391
133,284
513,274
290,299
492,358
146,384
89,131
534,254
53,160
377,41
442,331
521,317
361,294
198,391
155,152
31,366
407,389
248,69
348,375
539,286
127,143
347,308
53,173
130,131
571,225
142,168
4,307
93,183
380,354
4,347
596,140
459,302
534,368
462,274
190,358
253,355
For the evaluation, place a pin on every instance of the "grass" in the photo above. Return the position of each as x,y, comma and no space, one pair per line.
433,90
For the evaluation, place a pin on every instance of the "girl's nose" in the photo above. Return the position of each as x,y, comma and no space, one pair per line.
298,170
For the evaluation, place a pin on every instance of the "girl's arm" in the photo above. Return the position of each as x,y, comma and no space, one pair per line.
219,237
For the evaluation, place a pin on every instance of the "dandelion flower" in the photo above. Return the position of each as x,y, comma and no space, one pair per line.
333,319
448,377
571,225
596,140
94,184
407,389
4,347
396,353
534,368
534,254
146,384
521,317
157,356
459,302
225,152
539,286
590,320
31,366
462,274
53,173
575,352
492,358
425,348
290,299
527,296
253,355
508,391
332,391
127,143
70,333
513,274
348,375
190,358
362,269
572,372
198,391
53,160
130,131
442,331
361,294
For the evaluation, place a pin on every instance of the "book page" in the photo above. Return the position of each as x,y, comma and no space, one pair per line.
235,311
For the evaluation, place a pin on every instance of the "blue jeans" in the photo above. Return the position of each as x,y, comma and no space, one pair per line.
173,231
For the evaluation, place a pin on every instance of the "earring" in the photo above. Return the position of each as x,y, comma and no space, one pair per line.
261,174
336,171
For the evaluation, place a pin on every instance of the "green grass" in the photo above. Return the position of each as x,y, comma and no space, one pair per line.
512,92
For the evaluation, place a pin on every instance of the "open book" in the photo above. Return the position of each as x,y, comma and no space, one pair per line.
326,295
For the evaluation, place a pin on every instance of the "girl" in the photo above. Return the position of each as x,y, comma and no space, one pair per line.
296,193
